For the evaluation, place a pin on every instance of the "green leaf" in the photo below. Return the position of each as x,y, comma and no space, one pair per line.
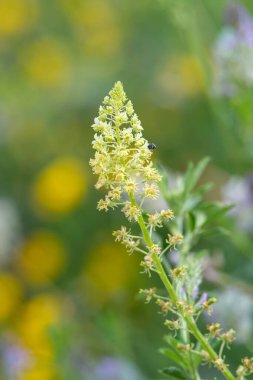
200,219
172,341
191,202
193,174
205,188
173,355
214,211
191,221
174,373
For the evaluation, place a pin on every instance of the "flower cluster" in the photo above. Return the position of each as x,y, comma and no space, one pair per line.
122,158
123,164
149,293
157,219
246,368
124,236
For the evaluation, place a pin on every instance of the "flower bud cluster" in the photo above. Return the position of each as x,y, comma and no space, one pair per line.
179,272
148,263
246,368
205,356
215,332
157,219
131,212
219,364
185,308
124,236
174,239
229,336
208,303
151,190
164,305
149,293
155,249
183,347
172,324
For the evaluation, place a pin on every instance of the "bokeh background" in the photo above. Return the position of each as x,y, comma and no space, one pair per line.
69,307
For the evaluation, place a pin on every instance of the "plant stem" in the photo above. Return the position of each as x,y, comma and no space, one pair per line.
192,326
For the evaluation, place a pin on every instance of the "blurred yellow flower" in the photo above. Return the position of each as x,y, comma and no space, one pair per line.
10,295
16,16
41,258
60,187
40,371
109,271
95,23
46,62
34,321
181,76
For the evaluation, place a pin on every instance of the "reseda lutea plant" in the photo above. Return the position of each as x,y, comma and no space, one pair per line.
123,164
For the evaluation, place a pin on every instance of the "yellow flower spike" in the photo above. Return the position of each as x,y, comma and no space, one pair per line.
41,258
125,159
10,295
60,186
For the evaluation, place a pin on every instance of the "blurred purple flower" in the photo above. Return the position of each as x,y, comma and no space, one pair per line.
234,309
233,51
116,369
238,18
202,299
15,359
195,295
239,192
249,184
195,292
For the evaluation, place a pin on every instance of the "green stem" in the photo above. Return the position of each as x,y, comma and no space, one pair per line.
187,339
192,326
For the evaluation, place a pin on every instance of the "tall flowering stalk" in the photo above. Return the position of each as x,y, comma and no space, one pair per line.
123,164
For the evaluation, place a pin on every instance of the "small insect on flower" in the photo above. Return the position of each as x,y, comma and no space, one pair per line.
151,146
